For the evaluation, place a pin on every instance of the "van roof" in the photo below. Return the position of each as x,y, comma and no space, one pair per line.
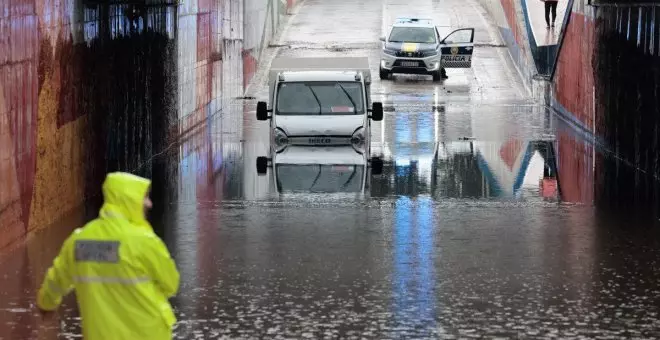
319,75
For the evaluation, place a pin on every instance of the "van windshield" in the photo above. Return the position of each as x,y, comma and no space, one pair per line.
320,98
319,178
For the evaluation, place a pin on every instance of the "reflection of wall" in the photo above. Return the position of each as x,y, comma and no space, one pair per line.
575,167
504,164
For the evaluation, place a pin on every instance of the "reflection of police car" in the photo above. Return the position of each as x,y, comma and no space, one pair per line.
414,46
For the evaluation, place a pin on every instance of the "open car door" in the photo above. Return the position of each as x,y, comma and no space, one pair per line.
457,48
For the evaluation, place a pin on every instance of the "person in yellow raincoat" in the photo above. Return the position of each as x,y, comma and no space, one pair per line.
120,269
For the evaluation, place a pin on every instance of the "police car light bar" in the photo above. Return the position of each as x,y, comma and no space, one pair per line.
411,20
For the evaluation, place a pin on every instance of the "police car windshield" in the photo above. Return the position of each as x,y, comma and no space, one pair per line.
422,35
319,178
319,98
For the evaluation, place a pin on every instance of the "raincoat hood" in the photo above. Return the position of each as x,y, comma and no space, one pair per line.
123,195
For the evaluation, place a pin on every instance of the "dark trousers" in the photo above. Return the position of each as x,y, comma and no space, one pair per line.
550,6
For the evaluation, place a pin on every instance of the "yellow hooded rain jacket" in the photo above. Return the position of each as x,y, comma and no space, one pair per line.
120,269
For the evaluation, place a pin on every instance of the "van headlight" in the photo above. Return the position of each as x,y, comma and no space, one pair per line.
358,140
280,139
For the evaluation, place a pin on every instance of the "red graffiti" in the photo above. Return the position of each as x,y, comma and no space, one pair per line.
510,11
509,152
575,167
574,78
19,52
249,67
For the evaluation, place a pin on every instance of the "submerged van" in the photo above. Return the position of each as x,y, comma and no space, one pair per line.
320,102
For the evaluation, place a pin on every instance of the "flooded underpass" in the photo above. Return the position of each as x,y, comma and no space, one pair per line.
481,224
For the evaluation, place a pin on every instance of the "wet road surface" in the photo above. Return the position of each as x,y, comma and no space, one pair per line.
481,224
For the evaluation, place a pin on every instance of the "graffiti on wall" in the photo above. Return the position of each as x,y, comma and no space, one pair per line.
509,17
19,62
90,88
573,83
606,82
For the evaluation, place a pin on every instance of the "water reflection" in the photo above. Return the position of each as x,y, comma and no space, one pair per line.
514,169
575,159
299,169
413,265
414,268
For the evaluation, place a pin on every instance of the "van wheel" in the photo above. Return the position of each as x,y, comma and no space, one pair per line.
383,74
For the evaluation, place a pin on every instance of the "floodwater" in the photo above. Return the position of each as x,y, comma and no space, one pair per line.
482,223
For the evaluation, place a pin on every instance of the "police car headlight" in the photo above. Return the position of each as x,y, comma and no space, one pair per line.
358,140
280,139
430,53
389,52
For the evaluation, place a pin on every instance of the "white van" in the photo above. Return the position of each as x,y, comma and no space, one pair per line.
320,102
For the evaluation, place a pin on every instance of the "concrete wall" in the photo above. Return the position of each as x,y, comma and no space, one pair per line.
510,20
606,85
85,90
626,72
573,83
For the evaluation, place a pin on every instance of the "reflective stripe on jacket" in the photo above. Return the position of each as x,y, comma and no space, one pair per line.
121,271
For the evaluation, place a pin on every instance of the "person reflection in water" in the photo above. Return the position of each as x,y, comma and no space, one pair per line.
550,8
120,269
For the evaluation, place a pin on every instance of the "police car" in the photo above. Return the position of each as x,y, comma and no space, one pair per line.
414,46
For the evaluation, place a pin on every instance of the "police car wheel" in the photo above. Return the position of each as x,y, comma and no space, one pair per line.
383,74
437,75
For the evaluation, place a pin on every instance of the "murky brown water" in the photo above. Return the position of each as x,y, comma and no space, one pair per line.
482,223
447,242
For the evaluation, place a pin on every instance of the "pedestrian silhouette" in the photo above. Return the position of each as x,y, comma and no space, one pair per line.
550,8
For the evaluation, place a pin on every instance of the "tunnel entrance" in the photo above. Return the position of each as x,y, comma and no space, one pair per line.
123,76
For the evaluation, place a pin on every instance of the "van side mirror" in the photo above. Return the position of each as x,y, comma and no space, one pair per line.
377,111
262,111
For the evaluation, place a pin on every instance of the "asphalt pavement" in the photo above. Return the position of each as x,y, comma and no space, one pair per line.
473,230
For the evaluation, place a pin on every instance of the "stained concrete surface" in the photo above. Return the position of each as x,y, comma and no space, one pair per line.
627,73
461,236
